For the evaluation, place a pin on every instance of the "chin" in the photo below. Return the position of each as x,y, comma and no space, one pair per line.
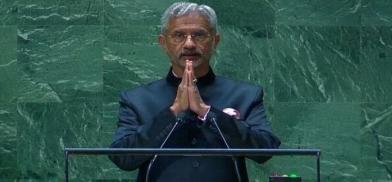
195,62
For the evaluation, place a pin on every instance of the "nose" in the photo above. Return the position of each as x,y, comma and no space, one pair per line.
189,42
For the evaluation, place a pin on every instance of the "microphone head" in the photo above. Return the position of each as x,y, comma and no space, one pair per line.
212,115
181,117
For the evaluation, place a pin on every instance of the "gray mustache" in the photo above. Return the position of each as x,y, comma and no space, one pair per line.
190,54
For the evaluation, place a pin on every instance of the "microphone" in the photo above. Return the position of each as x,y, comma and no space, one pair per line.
179,119
213,116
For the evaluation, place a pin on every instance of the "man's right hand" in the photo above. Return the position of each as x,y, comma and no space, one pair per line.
181,102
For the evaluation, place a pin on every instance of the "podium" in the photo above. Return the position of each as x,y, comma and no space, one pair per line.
68,152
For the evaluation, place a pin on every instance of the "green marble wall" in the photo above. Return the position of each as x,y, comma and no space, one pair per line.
326,67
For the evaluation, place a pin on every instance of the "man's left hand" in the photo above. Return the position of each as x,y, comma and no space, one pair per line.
196,103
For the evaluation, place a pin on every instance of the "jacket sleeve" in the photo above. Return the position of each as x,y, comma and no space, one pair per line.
134,133
254,131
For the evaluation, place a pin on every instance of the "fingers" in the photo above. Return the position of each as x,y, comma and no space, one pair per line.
181,102
186,74
191,76
184,77
187,94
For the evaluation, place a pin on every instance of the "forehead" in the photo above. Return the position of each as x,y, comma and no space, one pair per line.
192,21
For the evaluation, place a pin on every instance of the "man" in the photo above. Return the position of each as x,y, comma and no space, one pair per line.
191,108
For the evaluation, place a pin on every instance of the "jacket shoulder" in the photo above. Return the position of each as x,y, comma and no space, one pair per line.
238,85
145,89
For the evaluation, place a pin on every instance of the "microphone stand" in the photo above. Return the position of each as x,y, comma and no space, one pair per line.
170,133
163,144
228,147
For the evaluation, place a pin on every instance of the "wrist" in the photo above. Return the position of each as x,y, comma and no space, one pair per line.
203,110
174,110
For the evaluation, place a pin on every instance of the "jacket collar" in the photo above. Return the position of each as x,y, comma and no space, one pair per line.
201,81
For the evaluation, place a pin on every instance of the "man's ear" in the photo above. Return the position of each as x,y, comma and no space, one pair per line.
162,42
216,40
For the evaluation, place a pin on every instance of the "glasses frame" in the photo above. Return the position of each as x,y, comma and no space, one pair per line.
181,37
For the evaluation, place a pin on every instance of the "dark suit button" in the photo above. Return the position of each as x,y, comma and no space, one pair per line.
194,141
195,164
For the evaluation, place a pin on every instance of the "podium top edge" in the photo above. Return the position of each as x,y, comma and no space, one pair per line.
195,151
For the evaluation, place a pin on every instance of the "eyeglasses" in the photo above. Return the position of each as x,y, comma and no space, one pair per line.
197,37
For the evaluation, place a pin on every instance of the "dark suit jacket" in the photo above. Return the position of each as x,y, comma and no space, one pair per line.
145,120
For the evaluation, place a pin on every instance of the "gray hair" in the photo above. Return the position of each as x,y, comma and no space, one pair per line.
185,8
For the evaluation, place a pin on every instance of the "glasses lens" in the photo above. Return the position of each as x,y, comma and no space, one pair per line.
178,37
198,37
